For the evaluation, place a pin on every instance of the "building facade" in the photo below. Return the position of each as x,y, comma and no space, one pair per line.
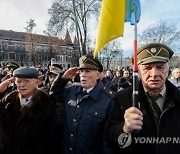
37,50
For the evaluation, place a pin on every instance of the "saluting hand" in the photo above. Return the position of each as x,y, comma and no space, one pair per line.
4,85
133,120
70,73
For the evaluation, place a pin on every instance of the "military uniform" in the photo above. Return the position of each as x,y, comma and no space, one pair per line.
11,67
156,126
86,114
53,69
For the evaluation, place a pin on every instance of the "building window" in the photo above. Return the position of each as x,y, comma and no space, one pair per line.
11,55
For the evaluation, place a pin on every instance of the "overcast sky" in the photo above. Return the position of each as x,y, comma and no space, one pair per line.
14,15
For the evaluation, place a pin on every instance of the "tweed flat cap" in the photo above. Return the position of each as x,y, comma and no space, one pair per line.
12,65
89,62
55,69
154,52
26,72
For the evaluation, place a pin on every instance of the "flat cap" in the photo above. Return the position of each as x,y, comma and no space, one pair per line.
154,52
55,69
12,65
26,72
89,62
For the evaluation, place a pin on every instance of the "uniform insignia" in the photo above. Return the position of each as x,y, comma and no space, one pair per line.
72,103
153,50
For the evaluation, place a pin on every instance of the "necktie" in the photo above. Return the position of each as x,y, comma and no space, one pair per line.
84,93
155,106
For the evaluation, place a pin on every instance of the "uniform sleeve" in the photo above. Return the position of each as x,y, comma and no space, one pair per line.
57,89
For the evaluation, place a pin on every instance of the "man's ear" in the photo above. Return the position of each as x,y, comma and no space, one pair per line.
99,75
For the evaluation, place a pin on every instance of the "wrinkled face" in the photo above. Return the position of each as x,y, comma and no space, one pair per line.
88,78
153,76
26,87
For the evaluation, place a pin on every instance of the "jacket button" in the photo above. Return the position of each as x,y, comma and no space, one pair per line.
72,135
78,106
96,113
74,120
70,149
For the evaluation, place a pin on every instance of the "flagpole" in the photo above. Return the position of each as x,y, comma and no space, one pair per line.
135,65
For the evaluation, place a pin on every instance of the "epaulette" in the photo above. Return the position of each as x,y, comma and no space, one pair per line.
109,91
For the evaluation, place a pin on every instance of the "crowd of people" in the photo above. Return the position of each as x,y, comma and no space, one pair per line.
88,109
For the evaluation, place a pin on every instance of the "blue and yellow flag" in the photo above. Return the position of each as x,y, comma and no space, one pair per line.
112,17
132,7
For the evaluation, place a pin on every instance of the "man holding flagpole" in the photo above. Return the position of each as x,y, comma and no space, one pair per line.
152,127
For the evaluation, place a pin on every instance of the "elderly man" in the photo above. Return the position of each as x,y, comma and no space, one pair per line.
10,67
27,120
87,107
152,128
54,70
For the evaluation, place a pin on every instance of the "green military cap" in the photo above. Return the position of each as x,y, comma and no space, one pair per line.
154,52
26,72
55,69
12,65
89,62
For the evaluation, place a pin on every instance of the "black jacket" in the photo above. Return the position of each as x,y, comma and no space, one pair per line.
167,128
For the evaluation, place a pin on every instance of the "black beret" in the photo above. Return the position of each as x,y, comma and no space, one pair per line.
26,72
89,62
154,52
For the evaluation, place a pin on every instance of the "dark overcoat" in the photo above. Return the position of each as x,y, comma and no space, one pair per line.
164,135
36,131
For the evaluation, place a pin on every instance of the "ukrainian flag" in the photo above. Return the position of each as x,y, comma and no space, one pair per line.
112,17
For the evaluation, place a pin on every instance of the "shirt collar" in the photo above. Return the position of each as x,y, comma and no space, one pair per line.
88,90
24,101
162,93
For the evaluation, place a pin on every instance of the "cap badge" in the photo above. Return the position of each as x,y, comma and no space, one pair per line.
83,58
153,50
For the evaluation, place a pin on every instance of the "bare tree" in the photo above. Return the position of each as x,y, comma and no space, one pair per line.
111,51
31,40
161,32
30,26
63,13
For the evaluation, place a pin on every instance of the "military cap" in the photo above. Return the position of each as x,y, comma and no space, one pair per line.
89,62
154,52
55,69
26,72
12,65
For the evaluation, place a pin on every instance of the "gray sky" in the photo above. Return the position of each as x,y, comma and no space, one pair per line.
14,15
